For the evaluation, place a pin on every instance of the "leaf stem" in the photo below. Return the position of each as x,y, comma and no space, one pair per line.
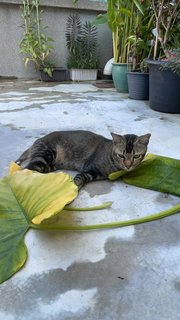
118,224
100,207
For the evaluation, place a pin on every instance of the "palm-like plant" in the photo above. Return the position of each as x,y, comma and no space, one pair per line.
81,41
120,18
89,42
73,32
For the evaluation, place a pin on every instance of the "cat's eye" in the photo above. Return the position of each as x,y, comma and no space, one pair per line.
120,155
136,156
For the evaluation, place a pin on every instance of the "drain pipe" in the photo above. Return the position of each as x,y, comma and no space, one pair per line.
108,67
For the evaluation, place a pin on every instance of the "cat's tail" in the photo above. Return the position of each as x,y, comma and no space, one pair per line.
24,156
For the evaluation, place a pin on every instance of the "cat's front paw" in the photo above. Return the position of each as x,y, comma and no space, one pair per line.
79,180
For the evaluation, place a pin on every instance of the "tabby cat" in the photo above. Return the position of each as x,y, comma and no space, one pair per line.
92,155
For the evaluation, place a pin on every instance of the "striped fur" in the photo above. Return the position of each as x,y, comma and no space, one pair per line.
92,155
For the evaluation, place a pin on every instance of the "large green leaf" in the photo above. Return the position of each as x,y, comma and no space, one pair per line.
27,197
155,172
13,226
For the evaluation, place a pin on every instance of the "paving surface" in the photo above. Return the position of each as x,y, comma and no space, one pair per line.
128,273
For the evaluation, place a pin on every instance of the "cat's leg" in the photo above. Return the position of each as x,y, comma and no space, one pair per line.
84,177
41,158
24,156
38,164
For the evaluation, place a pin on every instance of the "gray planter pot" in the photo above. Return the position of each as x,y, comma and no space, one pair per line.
138,84
164,88
59,75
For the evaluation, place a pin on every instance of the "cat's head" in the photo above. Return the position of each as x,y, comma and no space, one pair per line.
129,150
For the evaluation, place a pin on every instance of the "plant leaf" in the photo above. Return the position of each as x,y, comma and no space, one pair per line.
100,19
139,6
25,197
155,172
63,192
13,168
13,226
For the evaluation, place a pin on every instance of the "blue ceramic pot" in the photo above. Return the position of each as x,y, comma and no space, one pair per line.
119,75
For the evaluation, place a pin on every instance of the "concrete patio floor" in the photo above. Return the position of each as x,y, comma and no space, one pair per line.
129,273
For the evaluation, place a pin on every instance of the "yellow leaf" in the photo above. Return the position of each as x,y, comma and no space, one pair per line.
42,195
13,167
27,196
64,193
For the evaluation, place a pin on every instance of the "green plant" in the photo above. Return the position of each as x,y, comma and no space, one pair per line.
120,18
35,45
167,23
173,63
81,41
140,37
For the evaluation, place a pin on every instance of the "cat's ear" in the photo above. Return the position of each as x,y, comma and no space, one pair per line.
144,139
117,138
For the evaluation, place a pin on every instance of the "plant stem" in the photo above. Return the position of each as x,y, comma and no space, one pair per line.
25,16
149,218
100,207
37,21
169,25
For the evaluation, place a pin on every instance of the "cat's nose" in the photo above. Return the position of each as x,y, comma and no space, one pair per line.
128,165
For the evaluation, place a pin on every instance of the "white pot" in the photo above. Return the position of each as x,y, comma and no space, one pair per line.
83,74
108,67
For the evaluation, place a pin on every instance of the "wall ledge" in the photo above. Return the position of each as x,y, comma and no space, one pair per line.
81,5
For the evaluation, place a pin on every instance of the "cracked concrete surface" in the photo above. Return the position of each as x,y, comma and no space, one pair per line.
128,273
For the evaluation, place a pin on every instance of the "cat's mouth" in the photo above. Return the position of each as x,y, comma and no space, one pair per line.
129,168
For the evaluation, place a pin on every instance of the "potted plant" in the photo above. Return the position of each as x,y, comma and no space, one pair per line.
35,45
81,41
138,83
164,95
138,77
120,19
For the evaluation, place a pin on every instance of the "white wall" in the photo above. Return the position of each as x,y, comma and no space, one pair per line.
55,17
